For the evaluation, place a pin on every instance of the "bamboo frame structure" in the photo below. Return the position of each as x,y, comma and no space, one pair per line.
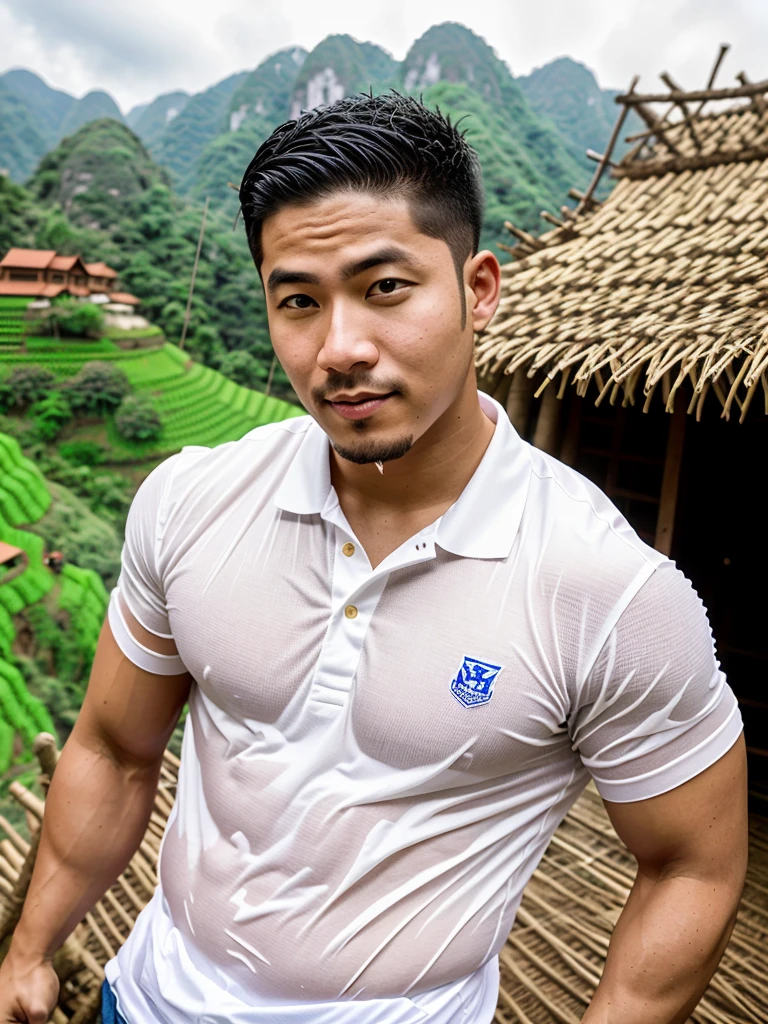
666,281
550,964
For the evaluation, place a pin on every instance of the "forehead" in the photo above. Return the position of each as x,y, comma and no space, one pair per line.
335,227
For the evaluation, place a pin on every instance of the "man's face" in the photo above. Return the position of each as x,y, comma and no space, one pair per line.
365,315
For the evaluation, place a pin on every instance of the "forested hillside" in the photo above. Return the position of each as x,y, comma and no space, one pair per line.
100,193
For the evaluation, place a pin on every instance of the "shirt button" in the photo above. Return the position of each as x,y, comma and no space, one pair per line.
350,611
348,549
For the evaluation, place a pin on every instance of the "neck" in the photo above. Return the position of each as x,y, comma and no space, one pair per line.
430,476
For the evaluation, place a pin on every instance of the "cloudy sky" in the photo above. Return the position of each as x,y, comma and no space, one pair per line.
136,49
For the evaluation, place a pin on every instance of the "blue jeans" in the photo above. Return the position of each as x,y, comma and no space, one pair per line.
109,1011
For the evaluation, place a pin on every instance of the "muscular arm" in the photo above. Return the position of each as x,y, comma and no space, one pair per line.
691,849
96,813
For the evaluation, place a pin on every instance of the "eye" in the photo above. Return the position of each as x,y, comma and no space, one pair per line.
297,302
387,286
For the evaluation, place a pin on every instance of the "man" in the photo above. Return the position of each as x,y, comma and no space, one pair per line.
407,638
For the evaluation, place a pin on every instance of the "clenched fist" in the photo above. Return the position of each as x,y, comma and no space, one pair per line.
28,991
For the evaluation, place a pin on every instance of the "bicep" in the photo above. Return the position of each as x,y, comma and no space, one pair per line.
128,710
655,711
698,828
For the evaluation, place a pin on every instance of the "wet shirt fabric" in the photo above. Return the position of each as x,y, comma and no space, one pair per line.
375,759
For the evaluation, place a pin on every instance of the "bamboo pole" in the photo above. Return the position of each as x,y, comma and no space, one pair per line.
606,157
188,310
742,92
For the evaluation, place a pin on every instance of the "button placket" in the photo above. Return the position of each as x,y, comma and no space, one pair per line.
355,593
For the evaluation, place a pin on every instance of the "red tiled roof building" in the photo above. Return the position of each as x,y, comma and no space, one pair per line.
43,274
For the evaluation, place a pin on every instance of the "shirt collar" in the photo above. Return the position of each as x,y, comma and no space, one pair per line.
483,521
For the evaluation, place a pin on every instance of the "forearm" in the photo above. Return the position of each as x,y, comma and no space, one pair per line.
95,816
664,949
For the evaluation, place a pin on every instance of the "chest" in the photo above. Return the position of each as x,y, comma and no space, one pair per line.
444,661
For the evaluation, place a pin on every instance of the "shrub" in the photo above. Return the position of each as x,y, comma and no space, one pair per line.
76,319
50,414
137,419
82,453
25,385
99,387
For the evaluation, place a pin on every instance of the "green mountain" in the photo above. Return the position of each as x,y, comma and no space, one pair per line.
48,106
527,164
21,142
202,119
567,93
257,106
341,66
150,120
96,174
266,92
91,107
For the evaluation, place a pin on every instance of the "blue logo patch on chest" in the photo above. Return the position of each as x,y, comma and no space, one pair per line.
474,681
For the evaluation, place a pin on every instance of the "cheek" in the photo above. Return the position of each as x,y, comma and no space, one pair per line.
295,350
427,337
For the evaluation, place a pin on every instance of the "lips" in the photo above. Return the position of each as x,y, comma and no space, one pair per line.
363,405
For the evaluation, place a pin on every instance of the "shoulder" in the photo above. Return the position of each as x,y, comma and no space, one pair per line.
196,477
581,520
587,561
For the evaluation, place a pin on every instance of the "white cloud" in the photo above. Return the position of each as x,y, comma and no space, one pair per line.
136,49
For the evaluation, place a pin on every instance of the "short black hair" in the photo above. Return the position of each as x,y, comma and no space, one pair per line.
386,145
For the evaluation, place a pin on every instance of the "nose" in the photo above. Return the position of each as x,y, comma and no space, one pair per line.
346,343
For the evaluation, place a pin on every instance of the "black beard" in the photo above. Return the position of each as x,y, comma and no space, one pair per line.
375,451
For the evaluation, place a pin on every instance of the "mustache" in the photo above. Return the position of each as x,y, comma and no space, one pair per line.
357,382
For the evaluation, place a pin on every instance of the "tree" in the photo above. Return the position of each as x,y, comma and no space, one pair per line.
137,419
243,369
25,385
98,388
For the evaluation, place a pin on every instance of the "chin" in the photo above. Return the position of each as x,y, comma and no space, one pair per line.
371,450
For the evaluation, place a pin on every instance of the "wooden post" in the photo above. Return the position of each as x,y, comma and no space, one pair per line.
188,310
47,754
519,398
546,433
570,446
272,365
665,524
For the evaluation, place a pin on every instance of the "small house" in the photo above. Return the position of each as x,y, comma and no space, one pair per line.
43,274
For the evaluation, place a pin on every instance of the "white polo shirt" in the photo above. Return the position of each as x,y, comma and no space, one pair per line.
375,759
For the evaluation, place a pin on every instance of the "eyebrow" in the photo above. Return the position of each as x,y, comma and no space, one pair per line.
390,254
278,277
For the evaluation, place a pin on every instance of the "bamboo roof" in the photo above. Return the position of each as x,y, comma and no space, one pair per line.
550,963
663,285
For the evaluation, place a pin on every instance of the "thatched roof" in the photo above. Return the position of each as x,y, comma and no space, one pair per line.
664,284
550,964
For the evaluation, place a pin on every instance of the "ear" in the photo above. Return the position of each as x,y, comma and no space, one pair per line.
482,275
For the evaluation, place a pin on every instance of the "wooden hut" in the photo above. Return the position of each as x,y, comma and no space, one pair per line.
632,342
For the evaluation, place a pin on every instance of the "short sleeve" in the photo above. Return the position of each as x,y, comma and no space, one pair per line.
656,709
139,583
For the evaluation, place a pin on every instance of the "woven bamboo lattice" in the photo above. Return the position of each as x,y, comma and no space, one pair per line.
550,964
664,284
